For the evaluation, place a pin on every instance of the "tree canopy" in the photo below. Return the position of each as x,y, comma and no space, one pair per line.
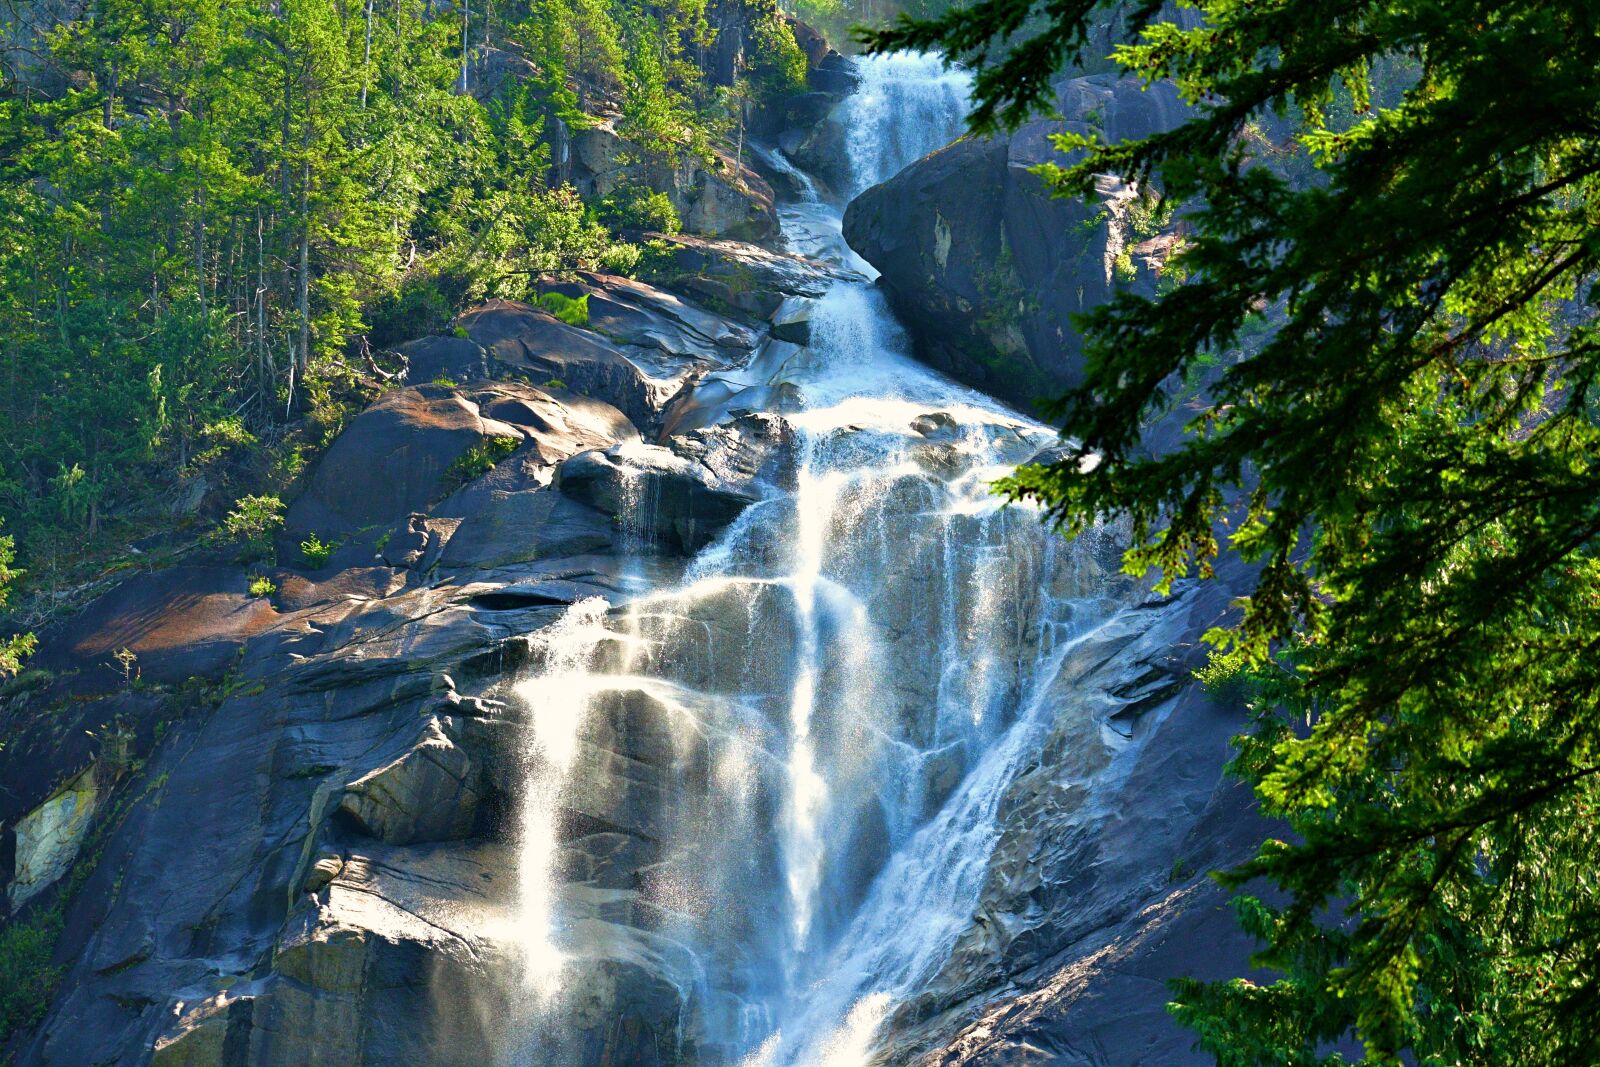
213,215
1410,458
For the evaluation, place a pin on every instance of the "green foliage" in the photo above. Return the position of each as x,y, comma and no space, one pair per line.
423,305
635,207
777,66
14,648
261,585
479,460
574,311
216,220
251,525
316,552
27,976
1391,252
1149,214
1123,268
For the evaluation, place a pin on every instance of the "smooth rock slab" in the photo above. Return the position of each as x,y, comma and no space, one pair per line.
432,793
658,497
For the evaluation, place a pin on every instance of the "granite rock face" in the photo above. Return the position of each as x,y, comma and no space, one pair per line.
719,198
315,865
987,269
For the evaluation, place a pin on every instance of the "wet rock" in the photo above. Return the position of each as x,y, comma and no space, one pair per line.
938,425
431,793
794,327
746,452
655,495
820,148
834,74
1097,888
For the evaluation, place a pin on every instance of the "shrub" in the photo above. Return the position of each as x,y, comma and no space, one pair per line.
1123,267
26,977
251,524
261,585
1149,214
573,312
316,551
638,207
479,460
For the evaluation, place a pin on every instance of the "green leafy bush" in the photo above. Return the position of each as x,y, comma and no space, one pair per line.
251,524
421,306
1149,214
261,585
27,978
316,551
14,649
479,460
637,207
573,312
1123,267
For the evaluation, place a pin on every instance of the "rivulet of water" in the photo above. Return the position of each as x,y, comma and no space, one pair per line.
800,748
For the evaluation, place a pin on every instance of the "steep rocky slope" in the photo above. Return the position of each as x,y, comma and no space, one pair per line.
312,866
285,828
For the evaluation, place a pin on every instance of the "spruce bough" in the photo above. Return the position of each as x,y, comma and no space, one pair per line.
1409,459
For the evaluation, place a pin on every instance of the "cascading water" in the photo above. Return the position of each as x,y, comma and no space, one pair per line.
903,97
821,718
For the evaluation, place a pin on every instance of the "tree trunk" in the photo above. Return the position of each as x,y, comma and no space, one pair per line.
366,58
466,30
303,282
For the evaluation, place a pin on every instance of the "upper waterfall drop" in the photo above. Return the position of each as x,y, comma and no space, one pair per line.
908,104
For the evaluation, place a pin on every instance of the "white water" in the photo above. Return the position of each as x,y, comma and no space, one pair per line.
903,97
819,723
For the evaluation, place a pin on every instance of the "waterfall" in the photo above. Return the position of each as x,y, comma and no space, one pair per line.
908,104
821,718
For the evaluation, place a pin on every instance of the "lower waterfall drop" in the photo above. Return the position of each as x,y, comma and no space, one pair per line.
821,719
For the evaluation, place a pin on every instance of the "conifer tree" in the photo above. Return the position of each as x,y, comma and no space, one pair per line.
1409,458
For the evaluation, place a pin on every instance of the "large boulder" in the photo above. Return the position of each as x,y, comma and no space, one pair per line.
744,278
638,349
432,792
988,269
717,196
526,527
395,458
660,499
